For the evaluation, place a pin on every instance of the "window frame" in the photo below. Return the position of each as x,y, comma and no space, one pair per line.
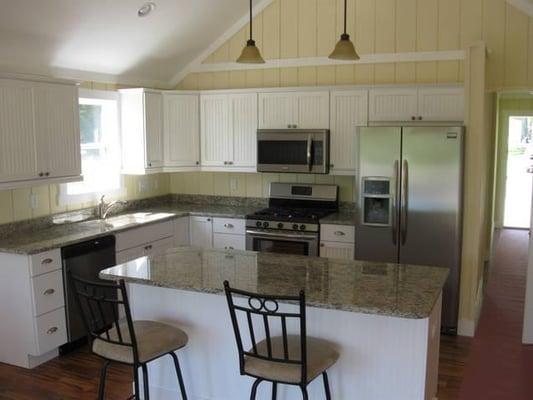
64,198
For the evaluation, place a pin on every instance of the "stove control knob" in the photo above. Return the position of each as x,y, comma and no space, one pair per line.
295,227
302,227
258,224
265,224
280,225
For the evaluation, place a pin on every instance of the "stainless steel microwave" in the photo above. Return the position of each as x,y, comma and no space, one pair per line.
293,150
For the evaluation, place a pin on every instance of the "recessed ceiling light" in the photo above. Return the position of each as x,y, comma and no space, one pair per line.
145,9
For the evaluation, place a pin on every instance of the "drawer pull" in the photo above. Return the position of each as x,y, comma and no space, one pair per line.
52,330
230,226
47,261
339,233
49,292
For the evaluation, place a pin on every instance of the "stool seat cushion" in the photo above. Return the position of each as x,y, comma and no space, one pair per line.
154,339
321,355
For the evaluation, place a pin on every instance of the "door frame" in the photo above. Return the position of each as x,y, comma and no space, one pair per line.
501,164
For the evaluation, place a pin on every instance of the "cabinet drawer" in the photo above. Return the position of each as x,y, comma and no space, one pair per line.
47,292
337,233
45,262
228,225
146,234
50,331
158,247
229,242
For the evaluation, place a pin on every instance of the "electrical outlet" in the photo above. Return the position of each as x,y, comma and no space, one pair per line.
143,186
34,201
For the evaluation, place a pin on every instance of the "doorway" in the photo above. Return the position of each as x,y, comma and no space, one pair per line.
518,184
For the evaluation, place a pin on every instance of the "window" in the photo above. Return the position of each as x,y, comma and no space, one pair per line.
100,149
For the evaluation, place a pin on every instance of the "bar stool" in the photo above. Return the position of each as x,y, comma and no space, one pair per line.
134,343
288,359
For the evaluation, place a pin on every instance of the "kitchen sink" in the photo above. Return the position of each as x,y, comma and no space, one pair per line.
121,221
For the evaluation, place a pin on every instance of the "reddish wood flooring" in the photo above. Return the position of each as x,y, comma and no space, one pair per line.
75,376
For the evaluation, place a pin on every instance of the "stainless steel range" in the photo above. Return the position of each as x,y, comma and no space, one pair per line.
290,224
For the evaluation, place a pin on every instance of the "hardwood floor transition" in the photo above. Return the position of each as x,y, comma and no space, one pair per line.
75,376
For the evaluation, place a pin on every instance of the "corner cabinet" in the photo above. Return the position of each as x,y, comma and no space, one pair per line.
141,113
431,104
286,110
228,132
349,110
181,128
39,132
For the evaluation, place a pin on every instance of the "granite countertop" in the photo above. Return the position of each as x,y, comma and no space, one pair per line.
32,240
340,218
405,291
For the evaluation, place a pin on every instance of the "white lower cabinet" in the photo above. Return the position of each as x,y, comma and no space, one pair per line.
337,241
229,242
50,331
201,231
181,231
153,248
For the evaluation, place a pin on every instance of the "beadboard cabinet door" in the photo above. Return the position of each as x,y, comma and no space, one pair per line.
18,152
153,120
393,104
349,110
441,104
244,130
277,110
57,121
313,110
201,231
344,251
215,111
181,130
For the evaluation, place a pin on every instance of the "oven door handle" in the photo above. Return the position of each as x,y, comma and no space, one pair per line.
258,234
309,144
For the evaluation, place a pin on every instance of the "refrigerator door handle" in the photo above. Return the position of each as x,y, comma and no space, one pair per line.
394,217
405,201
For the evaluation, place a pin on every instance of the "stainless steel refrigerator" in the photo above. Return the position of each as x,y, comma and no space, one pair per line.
410,201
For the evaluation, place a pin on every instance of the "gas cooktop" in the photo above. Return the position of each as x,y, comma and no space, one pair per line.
296,215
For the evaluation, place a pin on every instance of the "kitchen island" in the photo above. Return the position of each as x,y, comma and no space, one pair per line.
384,319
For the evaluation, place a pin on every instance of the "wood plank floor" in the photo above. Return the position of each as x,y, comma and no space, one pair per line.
75,376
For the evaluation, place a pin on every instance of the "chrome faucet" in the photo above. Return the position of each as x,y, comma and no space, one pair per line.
104,208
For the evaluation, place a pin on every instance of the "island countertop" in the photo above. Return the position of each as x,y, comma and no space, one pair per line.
396,290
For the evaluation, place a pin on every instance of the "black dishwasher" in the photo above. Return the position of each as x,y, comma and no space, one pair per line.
84,260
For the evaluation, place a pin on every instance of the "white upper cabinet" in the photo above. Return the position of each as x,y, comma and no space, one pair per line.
215,111
393,104
39,132
141,115
441,104
437,104
228,131
153,119
282,110
57,121
349,110
181,115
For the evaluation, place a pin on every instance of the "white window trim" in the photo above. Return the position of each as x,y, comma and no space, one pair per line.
63,197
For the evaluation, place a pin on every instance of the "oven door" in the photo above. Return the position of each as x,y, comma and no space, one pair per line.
299,243
305,151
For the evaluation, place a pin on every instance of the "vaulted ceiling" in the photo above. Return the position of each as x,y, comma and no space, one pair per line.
105,39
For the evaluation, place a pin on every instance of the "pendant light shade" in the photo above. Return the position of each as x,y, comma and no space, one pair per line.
344,49
250,54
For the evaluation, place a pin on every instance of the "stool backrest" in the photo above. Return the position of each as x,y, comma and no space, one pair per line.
99,306
266,308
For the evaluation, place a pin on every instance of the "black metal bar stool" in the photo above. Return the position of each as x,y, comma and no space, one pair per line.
134,343
288,359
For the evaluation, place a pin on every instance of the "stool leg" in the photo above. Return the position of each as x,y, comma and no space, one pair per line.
254,388
180,377
274,390
305,396
326,385
136,380
145,383
101,386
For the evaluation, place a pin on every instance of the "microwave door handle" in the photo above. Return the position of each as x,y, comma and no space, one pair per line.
309,144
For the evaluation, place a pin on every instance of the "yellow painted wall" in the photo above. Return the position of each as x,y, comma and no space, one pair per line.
308,28
251,185
15,204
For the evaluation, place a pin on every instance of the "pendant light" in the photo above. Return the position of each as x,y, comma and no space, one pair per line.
250,54
344,49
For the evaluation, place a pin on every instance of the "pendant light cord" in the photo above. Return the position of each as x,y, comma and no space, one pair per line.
251,37
345,12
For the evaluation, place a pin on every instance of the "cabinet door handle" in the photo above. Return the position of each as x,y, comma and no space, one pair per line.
41,174
413,118
47,174
322,245
49,292
47,261
208,220
52,330
339,233
197,162
228,226
420,118
295,126
289,126
148,247
229,248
